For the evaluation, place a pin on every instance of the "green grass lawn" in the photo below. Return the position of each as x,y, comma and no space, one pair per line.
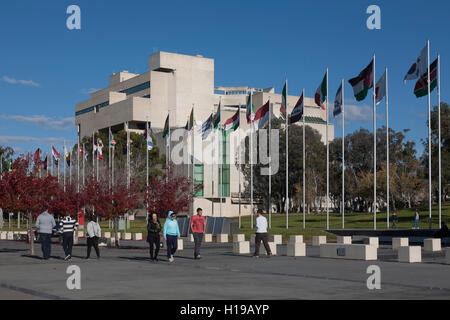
315,224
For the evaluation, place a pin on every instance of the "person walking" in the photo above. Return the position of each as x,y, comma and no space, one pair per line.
261,234
416,220
394,220
171,234
45,224
68,226
93,233
198,227
153,236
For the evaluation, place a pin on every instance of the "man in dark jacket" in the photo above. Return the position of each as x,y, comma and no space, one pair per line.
153,236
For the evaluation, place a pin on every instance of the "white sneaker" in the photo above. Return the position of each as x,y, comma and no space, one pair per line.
171,259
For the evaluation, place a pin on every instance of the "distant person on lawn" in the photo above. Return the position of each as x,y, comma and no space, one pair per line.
171,234
68,226
93,233
198,226
261,234
416,220
153,235
45,224
394,220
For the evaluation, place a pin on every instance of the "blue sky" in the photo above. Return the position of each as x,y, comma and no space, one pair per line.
45,69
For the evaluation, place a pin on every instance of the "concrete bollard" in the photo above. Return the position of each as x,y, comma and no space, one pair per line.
10,235
106,234
374,241
447,255
295,239
318,240
126,236
117,235
277,238
242,247
111,242
3,235
137,236
432,245
238,237
180,244
207,237
297,249
222,238
272,246
344,240
399,242
191,237
80,234
410,254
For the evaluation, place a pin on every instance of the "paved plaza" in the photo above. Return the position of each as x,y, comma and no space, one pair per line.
127,273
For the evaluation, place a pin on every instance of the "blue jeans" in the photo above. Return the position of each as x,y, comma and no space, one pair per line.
416,223
46,244
172,245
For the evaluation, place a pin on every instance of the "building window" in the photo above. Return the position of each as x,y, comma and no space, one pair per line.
137,88
198,178
224,179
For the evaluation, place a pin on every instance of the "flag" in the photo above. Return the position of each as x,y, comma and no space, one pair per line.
321,93
28,158
338,102
250,110
9,166
380,88
190,122
421,88
233,123
55,155
206,127
86,154
148,137
297,112
37,156
100,149
283,102
262,116
166,128
363,82
112,141
80,151
216,117
419,67
66,156
44,164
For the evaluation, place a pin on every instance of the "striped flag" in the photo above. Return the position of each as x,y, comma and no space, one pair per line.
283,102
250,110
363,82
232,123
55,155
206,127
380,88
216,117
338,102
166,128
297,112
321,93
421,88
262,116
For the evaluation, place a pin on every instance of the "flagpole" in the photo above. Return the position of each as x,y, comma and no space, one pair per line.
328,162
193,155
221,160
64,166
98,148
128,156
212,165
287,159
93,155
109,155
429,133
304,161
251,157
374,150
240,163
84,163
387,151
343,155
270,167
78,159
146,164
439,140
70,167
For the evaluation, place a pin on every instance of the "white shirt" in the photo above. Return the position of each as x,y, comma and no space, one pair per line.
93,229
261,224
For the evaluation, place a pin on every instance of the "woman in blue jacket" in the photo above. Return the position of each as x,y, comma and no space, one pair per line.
171,233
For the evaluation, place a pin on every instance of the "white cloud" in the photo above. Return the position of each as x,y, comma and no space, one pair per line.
88,91
8,140
23,82
59,124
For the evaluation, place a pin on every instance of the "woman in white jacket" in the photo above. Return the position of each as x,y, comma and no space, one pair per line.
93,233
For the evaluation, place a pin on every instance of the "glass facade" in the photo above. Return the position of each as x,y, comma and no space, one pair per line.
199,178
137,88
224,179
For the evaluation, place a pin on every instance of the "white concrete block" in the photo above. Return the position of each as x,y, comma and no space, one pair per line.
10,235
106,234
399,242
110,242
348,251
80,234
180,244
272,246
277,238
432,245
374,241
447,255
137,236
3,235
318,240
191,237
238,237
222,238
117,235
242,247
295,239
126,236
410,254
296,249
207,237
344,240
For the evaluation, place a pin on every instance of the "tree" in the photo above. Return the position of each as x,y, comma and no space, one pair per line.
67,201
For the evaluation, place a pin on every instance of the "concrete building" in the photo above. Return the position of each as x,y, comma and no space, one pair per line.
174,84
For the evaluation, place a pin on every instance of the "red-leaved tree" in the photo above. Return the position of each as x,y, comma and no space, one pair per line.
67,201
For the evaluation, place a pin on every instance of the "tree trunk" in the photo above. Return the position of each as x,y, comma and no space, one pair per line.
116,230
30,232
